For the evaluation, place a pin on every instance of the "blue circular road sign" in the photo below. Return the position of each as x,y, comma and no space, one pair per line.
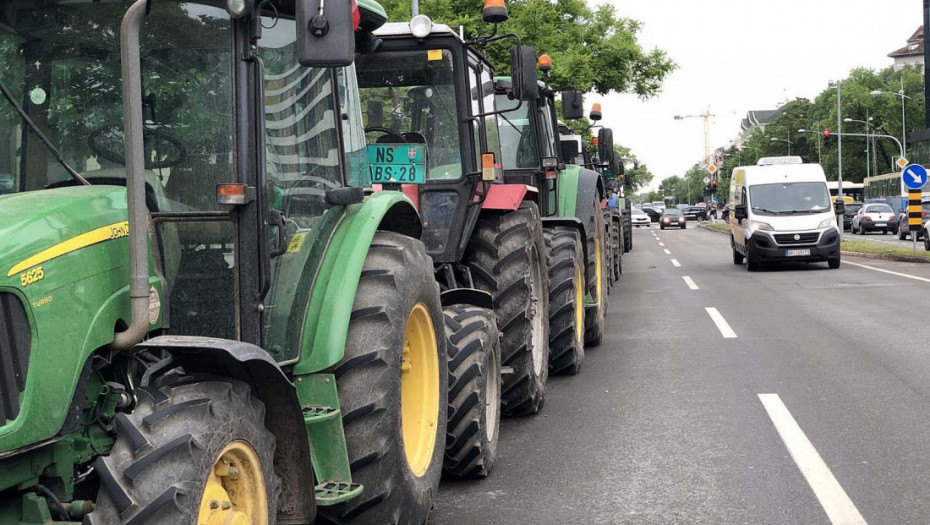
914,176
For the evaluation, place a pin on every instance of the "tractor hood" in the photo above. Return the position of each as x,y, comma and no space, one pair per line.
38,227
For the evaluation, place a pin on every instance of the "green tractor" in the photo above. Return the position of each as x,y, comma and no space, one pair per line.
204,319
428,97
574,226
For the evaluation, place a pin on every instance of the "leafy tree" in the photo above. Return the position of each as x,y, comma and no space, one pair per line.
637,173
591,48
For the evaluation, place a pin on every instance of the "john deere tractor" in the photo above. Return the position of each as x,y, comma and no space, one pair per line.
204,319
574,227
431,122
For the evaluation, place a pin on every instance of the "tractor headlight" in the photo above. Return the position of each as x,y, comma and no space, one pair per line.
421,26
236,8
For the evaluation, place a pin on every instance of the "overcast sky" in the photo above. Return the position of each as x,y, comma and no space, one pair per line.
739,55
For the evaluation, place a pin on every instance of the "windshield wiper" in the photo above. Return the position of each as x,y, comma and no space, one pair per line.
35,129
799,212
764,210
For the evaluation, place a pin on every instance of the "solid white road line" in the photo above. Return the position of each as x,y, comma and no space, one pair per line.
667,252
721,323
690,282
924,279
675,263
832,497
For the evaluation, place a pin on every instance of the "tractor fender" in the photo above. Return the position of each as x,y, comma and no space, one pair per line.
471,296
326,321
283,416
577,188
507,197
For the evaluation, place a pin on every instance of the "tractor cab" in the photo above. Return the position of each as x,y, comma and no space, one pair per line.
432,128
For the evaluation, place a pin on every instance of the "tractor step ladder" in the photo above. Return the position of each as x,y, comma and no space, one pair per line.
323,418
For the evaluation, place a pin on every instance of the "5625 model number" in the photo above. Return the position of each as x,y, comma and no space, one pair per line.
32,276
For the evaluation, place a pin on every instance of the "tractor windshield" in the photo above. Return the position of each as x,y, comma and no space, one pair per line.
518,135
60,61
409,97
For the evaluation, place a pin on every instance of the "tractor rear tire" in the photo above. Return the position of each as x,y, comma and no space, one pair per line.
566,300
627,235
507,258
611,251
169,448
395,335
474,412
596,277
619,248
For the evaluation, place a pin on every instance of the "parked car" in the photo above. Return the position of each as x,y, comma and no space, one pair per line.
874,217
653,213
851,210
903,230
671,218
639,218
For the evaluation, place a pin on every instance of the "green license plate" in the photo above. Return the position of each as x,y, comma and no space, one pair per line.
397,163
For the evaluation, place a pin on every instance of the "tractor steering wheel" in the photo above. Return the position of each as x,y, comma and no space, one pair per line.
389,134
107,141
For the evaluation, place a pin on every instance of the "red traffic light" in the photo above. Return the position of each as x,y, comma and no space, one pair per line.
713,183
826,133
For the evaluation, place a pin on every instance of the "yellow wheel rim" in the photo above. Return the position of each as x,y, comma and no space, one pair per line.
599,267
579,302
419,390
235,491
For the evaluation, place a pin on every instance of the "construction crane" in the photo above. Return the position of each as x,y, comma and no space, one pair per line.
706,116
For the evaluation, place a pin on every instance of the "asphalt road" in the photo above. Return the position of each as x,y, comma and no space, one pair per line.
665,422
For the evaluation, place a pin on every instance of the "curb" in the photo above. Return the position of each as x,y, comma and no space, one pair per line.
877,256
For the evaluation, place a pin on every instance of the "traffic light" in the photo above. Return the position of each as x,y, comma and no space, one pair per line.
826,137
713,185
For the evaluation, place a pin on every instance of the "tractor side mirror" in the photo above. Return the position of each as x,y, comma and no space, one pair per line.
374,113
325,33
523,73
605,143
739,212
572,104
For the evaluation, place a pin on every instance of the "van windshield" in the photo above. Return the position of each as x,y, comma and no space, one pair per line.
789,198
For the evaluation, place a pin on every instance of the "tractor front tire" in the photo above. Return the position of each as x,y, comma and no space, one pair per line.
619,247
474,412
628,235
566,300
393,383
507,258
596,277
176,456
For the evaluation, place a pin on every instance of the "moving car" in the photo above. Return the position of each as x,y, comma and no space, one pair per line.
874,217
695,213
640,218
851,210
659,205
903,230
781,211
653,213
671,218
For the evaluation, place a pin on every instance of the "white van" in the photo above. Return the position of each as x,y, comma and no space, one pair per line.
782,212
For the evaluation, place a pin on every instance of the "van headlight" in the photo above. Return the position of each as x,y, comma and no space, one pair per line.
827,223
759,225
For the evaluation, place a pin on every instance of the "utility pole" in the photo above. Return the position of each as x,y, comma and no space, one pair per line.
839,140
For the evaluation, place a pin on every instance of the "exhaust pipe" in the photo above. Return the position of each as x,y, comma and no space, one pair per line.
130,56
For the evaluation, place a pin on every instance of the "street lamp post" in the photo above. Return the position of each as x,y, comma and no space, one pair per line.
788,142
903,110
870,130
819,143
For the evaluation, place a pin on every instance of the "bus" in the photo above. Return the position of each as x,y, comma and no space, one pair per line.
852,191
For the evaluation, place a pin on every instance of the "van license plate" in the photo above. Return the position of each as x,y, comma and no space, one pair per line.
880,224
797,253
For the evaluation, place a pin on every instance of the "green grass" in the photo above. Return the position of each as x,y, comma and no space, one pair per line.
879,249
721,226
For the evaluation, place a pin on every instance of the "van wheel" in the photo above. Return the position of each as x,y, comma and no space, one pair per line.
751,264
834,263
926,241
737,257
